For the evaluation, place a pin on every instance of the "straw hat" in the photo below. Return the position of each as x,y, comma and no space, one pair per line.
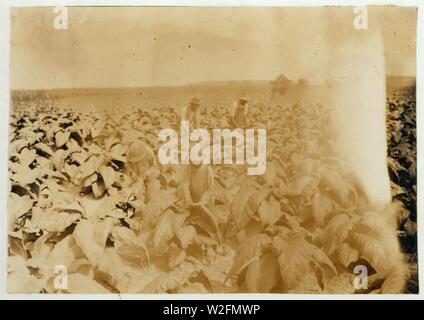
195,101
244,97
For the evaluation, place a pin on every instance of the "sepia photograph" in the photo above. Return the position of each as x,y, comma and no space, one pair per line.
210,150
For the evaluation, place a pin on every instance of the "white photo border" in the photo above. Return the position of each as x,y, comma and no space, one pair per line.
5,6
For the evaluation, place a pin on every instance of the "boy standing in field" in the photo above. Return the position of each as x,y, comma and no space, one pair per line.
191,113
239,112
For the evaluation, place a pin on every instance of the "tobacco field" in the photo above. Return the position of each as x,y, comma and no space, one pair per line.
80,206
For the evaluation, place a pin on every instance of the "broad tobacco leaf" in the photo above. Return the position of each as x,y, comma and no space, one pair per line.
269,211
65,252
108,175
246,204
322,206
176,256
250,250
81,284
263,275
61,138
153,186
241,199
19,278
340,187
117,152
375,240
110,268
295,258
347,255
51,220
186,235
336,231
91,166
168,225
25,176
161,201
378,253
58,159
172,280
98,188
298,186
91,238
18,206
26,157
130,247
270,176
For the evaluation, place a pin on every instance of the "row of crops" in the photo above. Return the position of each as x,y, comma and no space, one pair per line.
88,198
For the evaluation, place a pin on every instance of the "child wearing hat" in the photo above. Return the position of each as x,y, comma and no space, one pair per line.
239,112
191,113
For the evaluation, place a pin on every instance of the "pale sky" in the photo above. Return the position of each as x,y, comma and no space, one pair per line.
126,47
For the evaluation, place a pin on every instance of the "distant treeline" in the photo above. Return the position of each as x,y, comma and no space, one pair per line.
46,94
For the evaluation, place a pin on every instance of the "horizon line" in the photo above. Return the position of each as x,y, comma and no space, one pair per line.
172,85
